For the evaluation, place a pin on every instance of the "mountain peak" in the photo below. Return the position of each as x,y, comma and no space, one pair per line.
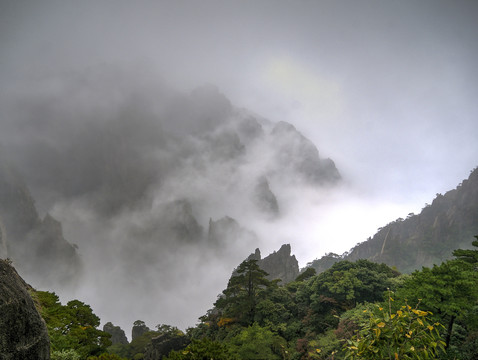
279,265
424,239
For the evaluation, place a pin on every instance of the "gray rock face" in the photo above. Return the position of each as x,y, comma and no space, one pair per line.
298,155
179,222
139,328
23,333
424,239
448,223
264,199
117,334
281,265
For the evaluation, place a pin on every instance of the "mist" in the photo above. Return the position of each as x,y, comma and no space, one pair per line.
138,125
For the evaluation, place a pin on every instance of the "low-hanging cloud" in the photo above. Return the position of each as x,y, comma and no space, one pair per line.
165,212
137,170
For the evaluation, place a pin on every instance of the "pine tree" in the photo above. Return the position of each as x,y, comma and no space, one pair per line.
243,292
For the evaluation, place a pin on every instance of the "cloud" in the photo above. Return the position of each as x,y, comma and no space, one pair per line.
100,95
316,95
143,199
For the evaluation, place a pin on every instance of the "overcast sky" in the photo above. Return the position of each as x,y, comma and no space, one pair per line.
387,89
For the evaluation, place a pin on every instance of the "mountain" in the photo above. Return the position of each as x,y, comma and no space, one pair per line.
117,334
112,155
428,238
36,246
162,191
279,265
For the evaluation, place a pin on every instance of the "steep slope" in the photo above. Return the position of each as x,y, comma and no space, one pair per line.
134,174
113,153
279,265
36,246
117,334
23,333
448,223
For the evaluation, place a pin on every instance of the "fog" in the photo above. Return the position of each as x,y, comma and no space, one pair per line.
136,123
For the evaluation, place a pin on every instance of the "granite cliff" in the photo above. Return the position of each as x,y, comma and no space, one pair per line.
23,333
279,265
424,239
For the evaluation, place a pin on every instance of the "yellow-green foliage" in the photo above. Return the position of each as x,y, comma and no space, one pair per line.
407,333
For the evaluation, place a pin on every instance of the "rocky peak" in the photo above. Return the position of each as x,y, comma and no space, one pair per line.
279,265
297,154
117,334
256,255
179,220
139,328
264,198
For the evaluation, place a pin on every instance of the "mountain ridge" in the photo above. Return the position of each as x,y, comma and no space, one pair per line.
424,239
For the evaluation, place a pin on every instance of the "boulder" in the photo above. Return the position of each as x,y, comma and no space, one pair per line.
23,332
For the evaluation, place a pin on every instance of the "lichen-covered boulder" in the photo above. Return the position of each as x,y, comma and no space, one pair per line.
23,333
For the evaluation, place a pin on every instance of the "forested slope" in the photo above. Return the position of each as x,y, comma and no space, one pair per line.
424,239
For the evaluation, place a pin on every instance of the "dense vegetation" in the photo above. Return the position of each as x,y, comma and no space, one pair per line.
72,327
354,310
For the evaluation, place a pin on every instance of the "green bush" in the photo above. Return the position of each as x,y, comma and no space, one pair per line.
404,334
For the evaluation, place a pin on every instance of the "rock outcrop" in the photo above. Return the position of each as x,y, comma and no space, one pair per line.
178,221
139,328
23,333
279,265
264,199
117,334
